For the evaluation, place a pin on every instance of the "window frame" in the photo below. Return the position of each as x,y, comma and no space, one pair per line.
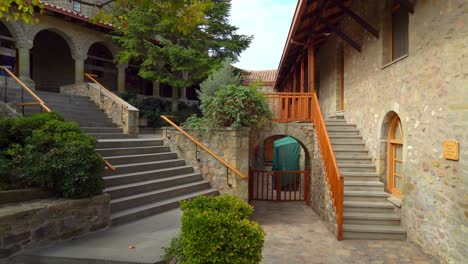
74,5
392,144
394,7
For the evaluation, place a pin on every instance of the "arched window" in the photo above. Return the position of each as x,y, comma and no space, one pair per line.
395,157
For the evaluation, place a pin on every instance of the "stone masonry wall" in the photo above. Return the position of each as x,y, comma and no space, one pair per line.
38,222
229,144
428,90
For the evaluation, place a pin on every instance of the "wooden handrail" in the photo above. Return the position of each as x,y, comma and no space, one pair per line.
290,107
229,166
39,100
111,94
334,180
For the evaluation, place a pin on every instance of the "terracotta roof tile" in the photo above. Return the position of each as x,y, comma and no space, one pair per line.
267,77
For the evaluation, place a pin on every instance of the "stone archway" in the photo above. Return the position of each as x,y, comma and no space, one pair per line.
52,61
8,53
100,62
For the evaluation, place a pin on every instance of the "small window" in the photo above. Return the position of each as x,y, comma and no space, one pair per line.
399,32
76,6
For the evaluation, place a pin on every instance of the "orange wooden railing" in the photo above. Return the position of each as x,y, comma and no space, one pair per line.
279,185
102,88
206,149
335,181
38,102
290,107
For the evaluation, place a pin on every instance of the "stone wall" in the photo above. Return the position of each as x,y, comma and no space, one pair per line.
124,115
428,90
7,111
39,222
229,144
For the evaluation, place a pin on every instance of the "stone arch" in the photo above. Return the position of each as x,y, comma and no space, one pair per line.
112,48
14,28
100,62
72,44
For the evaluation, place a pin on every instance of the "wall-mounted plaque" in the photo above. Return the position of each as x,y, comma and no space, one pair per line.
451,150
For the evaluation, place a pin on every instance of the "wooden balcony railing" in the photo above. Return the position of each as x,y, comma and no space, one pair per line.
290,107
335,181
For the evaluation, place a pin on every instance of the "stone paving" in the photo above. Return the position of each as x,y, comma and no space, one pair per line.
295,234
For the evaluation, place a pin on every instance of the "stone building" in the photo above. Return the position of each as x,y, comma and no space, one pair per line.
263,78
64,45
397,70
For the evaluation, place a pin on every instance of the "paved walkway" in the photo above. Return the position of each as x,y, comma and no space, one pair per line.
295,234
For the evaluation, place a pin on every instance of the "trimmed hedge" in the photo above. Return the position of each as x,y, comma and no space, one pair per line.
217,230
45,151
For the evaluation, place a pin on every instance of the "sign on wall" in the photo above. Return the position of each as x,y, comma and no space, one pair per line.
451,150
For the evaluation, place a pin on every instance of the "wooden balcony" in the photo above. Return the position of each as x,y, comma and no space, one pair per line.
291,107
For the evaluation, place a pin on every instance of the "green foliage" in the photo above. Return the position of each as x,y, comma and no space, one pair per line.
234,106
44,151
217,230
217,80
20,10
152,108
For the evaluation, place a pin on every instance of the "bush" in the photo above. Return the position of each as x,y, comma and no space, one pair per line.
217,230
52,154
234,106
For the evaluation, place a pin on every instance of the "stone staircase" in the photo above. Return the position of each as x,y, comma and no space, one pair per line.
367,214
149,178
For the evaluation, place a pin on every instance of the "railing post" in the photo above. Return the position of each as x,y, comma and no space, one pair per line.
6,88
278,185
307,187
250,187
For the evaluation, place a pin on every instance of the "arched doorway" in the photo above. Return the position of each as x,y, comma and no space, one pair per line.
395,157
8,53
282,171
100,62
52,62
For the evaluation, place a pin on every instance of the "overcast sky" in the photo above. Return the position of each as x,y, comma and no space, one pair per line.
268,21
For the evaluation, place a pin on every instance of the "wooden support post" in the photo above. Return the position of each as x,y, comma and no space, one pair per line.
302,76
294,79
311,62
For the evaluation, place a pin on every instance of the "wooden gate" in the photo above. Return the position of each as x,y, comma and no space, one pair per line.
280,186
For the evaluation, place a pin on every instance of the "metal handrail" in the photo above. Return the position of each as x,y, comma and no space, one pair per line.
101,87
26,88
225,163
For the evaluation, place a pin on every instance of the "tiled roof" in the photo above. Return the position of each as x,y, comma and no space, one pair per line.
267,77
73,14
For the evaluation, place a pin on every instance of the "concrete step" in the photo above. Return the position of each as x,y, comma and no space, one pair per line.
153,208
349,167
102,130
347,145
385,219
373,232
343,128
351,151
107,152
145,166
337,140
134,177
338,124
89,118
360,176
368,207
96,124
126,159
347,159
128,143
126,190
111,135
363,186
369,196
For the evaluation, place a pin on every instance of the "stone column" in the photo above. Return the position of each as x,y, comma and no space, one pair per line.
183,94
175,99
156,88
79,68
24,67
121,76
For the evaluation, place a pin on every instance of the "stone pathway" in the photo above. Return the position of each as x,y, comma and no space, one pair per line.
295,234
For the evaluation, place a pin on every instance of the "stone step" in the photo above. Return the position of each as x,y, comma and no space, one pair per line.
102,118
126,159
349,167
369,196
128,143
351,151
153,208
342,128
101,130
373,232
152,185
145,166
347,159
111,135
335,121
363,186
386,219
343,133
368,207
107,152
134,177
338,140
96,124
360,176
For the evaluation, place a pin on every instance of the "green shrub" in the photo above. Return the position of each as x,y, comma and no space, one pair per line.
52,154
217,230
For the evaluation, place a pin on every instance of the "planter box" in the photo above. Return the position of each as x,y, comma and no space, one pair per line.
23,195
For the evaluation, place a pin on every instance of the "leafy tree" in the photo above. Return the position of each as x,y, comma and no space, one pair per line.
177,42
20,10
220,78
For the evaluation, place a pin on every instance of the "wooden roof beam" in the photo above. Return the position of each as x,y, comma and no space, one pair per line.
407,4
341,34
357,18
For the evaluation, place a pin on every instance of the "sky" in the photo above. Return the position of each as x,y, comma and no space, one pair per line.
268,21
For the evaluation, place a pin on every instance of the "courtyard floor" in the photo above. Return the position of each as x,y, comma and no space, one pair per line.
295,234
